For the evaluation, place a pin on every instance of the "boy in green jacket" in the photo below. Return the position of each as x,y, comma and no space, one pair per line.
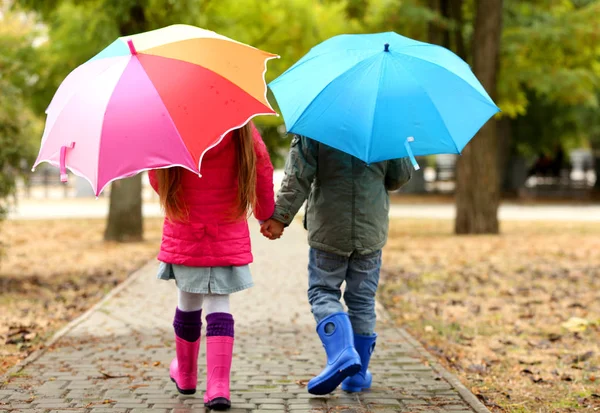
347,220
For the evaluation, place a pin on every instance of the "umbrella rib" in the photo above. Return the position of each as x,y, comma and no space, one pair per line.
95,77
325,87
143,169
117,60
479,95
381,69
296,66
458,151
268,106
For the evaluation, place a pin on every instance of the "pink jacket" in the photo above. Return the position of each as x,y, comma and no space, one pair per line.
209,239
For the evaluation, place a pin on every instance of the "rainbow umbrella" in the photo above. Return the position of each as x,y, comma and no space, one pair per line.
153,100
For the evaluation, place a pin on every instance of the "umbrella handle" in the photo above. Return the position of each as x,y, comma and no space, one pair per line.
410,152
63,161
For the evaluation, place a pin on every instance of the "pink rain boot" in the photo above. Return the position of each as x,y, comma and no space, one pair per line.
219,351
184,367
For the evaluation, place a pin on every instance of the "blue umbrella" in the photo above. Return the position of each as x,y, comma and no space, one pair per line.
383,96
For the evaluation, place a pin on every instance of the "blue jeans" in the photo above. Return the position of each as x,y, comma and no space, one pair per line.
327,272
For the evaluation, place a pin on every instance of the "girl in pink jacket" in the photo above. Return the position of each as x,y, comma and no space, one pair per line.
206,249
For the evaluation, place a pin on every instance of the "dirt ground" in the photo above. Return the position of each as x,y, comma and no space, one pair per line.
515,316
52,271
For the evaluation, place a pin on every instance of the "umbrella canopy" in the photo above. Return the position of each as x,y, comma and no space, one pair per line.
383,96
156,99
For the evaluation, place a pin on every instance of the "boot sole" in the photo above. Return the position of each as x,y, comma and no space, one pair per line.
353,389
331,383
359,389
220,403
183,391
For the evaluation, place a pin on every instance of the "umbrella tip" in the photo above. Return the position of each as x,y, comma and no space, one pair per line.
386,47
131,47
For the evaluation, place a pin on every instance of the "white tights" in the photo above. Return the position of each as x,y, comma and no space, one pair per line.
212,303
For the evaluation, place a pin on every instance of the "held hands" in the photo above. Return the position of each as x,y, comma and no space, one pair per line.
272,229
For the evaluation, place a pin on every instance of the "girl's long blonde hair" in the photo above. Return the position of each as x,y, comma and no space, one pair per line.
170,189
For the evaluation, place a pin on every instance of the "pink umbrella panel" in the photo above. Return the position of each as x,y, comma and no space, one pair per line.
128,111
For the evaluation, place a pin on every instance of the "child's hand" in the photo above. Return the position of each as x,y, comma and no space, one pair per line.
272,229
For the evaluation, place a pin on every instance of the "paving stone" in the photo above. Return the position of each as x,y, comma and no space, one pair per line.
53,405
281,396
166,399
271,407
19,396
67,411
148,410
171,405
130,405
21,405
267,401
387,402
268,411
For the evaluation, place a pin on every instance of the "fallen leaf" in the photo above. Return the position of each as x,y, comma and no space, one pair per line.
477,368
576,305
576,324
554,337
302,383
582,357
537,379
110,376
530,362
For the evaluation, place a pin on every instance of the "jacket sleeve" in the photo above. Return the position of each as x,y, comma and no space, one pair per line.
265,197
300,170
398,173
153,180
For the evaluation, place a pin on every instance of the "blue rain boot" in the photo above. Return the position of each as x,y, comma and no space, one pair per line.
361,380
335,331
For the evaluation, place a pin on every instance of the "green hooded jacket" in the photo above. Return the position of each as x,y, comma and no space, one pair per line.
348,203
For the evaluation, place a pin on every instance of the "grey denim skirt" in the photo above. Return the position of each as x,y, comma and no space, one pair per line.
207,280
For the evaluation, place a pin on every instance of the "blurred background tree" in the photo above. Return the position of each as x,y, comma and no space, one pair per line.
547,86
19,127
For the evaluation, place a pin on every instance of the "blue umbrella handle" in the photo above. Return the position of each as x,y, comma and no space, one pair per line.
410,152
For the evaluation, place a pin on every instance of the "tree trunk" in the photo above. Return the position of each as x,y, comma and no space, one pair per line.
437,34
455,12
505,152
596,156
125,222
478,178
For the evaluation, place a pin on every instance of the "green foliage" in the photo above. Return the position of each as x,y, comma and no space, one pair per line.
549,69
547,125
550,61
551,48
19,128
